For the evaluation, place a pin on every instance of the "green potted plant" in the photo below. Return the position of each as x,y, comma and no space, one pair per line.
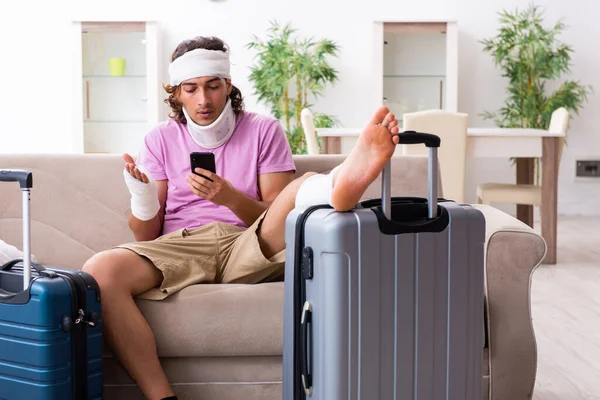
533,58
288,73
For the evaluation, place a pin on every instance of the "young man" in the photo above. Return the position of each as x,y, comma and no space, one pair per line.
228,228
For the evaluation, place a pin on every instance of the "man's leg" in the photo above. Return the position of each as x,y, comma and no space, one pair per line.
374,148
121,275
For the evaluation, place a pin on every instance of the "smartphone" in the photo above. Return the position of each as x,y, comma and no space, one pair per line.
204,160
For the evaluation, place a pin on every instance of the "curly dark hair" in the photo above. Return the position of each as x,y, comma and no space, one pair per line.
199,42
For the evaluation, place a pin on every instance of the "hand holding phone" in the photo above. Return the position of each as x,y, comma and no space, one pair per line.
204,160
219,191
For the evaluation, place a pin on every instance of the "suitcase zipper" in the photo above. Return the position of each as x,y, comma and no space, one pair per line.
79,332
303,270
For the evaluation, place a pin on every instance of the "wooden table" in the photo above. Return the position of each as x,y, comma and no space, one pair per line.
524,144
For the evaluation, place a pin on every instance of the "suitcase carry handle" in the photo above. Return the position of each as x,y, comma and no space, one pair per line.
6,295
432,142
305,320
25,179
38,268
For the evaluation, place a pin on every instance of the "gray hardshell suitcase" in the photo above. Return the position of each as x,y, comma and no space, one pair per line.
380,309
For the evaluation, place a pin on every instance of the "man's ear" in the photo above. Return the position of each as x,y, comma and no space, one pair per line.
229,86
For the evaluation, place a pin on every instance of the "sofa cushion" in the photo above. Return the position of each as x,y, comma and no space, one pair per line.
218,320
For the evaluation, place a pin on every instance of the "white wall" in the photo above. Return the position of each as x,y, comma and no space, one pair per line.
36,99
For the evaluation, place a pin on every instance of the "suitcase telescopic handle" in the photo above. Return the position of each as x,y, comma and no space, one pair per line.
413,137
25,179
432,142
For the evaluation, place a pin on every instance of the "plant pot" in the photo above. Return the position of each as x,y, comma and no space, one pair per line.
116,66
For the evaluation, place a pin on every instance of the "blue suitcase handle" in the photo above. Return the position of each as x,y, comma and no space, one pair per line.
39,268
25,178
8,266
7,295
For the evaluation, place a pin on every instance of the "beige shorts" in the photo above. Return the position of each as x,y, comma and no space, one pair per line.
213,253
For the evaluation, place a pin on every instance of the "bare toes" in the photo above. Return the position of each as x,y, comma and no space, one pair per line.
379,115
388,118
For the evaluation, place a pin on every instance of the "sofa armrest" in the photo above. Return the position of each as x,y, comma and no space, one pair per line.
513,251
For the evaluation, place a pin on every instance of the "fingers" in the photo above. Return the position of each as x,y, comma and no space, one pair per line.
200,189
136,173
206,174
128,159
130,168
133,169
198,181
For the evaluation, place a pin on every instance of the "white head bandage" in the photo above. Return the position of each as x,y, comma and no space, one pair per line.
197,63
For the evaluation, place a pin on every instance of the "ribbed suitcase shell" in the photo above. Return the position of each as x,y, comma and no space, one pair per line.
393,316
38,358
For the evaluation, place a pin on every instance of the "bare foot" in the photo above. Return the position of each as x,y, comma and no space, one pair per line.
374,148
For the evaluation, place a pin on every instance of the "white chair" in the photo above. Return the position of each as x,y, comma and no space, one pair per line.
488,193
310,133
452,129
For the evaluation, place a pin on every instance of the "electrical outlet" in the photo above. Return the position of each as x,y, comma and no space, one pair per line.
588,168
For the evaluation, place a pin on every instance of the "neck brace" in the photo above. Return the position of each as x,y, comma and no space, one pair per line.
215,134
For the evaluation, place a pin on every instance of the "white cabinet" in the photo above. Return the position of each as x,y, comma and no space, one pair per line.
119,102
417,65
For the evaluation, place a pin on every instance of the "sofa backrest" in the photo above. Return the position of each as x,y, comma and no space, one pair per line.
80,204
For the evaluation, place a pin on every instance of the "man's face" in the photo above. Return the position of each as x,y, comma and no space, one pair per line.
204,98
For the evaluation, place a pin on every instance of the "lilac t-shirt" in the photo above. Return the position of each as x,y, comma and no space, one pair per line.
257,146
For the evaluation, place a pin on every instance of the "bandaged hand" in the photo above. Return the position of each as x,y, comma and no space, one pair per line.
142,187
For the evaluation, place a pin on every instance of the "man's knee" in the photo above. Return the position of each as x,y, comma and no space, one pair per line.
102,266
122,270
107,268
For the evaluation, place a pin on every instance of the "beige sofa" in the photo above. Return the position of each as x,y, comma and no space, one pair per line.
225,341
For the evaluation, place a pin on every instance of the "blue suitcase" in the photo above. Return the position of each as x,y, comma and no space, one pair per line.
50,326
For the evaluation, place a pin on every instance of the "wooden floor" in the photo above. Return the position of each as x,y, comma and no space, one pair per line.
566,314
